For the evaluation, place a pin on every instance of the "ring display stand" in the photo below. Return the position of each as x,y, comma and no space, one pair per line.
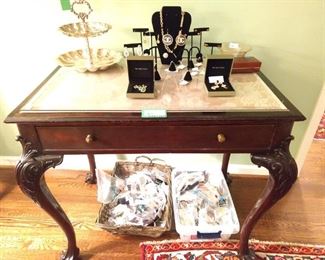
171,21
87,59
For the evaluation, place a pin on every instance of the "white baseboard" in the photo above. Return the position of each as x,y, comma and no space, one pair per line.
80,162
6,161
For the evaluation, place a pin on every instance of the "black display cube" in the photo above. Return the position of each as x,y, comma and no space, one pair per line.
141,77
218,70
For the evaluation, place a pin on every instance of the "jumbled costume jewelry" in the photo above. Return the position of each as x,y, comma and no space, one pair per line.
142,88
168,40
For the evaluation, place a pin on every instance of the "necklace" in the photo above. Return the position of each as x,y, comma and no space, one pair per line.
168,40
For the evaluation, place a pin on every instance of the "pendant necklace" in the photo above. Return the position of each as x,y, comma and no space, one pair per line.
181,38
168,40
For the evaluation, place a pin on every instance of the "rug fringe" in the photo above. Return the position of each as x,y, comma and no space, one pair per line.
284,243
252,240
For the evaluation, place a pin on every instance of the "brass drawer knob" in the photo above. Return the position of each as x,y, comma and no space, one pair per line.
221,138
89,139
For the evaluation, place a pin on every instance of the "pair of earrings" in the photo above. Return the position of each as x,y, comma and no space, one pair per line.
219,84
126,52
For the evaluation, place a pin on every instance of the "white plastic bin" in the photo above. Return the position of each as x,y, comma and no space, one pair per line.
203,207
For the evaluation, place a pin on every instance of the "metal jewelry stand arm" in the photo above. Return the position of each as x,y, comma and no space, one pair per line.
212,45
142,31
148,52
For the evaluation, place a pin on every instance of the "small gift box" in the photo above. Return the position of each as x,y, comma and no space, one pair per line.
218,70
141,77
246,65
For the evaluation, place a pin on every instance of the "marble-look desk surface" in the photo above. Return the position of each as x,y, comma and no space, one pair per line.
69,90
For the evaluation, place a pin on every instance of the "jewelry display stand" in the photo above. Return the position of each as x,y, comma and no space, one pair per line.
87,59
171,27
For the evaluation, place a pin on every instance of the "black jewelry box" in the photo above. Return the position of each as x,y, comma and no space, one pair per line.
141,77
218,70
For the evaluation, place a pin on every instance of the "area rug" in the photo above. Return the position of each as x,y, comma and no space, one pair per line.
320,133
227,250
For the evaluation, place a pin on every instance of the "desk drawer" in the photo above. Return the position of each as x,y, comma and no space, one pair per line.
156,138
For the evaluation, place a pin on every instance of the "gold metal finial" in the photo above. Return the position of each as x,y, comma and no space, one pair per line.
82,9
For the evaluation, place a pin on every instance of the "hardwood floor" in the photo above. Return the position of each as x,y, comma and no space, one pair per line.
26,232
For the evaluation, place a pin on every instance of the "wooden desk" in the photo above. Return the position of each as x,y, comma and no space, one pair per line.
75,113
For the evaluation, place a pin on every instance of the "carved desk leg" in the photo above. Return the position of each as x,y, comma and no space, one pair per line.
30,178
283,173
91,176
224,167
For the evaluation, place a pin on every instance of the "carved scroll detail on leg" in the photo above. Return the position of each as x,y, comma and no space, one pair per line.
30,178
283,173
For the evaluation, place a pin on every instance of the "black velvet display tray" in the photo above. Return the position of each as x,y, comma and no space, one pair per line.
219,65
140,72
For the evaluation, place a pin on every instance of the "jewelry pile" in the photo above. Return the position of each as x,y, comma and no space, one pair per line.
199,200
142,88
141,199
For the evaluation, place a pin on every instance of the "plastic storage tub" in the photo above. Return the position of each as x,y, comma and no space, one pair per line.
203,207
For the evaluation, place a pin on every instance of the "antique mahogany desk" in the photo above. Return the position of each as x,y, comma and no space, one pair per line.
89,113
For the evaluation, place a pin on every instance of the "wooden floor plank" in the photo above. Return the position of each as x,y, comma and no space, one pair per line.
26,232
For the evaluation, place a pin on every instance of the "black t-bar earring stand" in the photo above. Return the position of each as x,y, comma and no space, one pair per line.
141,31
212,45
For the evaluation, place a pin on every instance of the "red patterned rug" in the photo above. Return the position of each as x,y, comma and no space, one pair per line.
226,250
320,133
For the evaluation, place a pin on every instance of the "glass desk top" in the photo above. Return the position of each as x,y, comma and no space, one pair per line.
69,90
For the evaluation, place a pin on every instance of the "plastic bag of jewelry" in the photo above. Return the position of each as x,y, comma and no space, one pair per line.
107,186
141,201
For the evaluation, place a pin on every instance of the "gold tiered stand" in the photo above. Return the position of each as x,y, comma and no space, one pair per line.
88,59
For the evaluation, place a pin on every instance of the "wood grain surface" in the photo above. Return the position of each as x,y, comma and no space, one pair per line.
26,232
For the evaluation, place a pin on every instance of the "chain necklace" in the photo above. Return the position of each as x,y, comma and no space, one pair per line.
168,40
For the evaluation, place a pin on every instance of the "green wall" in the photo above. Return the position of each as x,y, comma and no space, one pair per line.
287,36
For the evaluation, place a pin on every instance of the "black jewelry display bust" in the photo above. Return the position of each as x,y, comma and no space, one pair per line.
171,20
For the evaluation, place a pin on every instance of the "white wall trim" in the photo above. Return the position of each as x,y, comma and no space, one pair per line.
311,129
8,160
80,162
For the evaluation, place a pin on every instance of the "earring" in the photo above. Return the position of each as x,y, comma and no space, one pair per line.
158,41
139,50
126,52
